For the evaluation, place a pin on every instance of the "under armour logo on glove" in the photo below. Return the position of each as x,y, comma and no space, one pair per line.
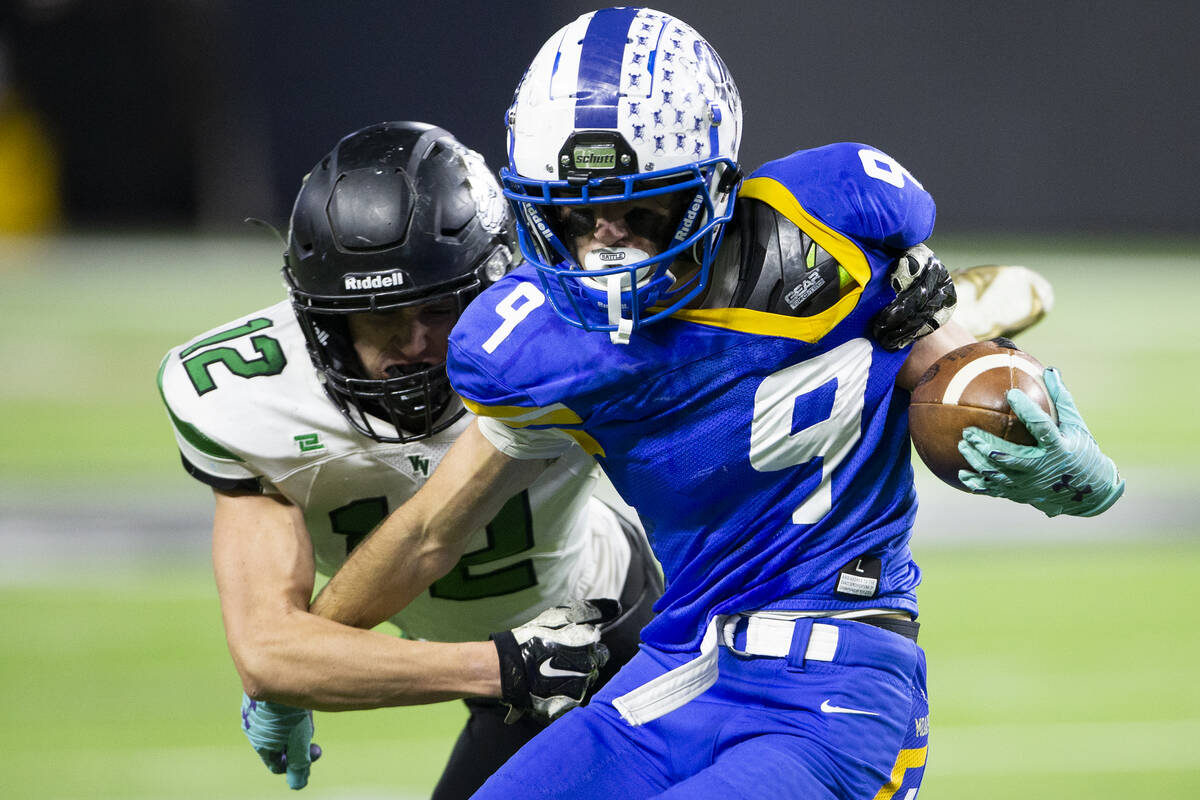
1064,485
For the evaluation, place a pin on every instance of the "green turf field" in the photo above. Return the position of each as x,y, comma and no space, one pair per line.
118,686
1062,653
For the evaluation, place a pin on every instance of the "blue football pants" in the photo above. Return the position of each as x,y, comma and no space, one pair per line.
854,728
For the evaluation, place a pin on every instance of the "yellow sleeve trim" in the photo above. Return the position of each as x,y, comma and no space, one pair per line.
807,329
521,416
586,441
554,415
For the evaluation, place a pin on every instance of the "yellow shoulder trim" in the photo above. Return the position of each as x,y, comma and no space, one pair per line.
778,197
762,323
586,441
808,329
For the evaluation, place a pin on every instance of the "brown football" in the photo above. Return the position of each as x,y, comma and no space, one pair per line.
965,388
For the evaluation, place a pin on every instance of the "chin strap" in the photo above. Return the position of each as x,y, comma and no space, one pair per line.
613,284
624,326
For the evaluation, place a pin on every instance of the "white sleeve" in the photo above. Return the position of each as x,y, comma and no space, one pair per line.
525,443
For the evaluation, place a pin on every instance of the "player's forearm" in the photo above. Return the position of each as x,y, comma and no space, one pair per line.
423,539
304,660
388,570
263,564
929,349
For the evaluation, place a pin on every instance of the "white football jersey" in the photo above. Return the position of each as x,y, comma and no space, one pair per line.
247,405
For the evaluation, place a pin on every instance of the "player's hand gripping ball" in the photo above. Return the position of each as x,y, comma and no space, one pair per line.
966,388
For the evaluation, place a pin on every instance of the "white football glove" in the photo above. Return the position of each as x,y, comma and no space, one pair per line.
924,299
995,300
548,664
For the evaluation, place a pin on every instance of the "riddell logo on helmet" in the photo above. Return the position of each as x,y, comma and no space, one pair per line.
689,219
600,156
376,280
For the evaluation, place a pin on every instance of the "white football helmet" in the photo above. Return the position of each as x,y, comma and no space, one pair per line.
621,106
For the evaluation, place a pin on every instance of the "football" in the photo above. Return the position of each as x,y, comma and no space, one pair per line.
966,388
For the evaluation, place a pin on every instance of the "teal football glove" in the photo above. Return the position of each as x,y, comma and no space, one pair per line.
1064,473
282,737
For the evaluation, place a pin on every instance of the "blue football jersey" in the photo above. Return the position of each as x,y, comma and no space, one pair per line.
767,455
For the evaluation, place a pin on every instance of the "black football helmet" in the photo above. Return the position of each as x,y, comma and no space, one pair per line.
397,214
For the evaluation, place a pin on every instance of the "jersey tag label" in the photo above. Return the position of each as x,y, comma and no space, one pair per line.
858,579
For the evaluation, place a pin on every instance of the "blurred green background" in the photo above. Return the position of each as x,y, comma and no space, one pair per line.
1062,652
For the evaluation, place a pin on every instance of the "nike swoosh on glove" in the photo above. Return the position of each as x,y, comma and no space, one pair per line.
548,664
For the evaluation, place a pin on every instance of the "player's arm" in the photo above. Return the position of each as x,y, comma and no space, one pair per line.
263,561
928,349
423,539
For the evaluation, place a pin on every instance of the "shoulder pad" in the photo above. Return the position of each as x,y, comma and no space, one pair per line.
780,269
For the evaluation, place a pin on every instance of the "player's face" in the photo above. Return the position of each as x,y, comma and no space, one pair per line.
393,343
644,224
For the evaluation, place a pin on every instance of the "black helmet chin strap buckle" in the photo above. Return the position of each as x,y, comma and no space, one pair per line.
729,180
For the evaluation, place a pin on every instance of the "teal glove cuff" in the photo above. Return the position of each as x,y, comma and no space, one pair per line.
282,737
1064,473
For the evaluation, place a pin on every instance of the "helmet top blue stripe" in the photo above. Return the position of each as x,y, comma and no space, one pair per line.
599,82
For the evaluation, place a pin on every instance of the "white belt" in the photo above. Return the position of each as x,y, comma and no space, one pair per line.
766,635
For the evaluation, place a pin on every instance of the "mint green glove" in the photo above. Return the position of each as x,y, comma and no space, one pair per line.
282,737
1064,473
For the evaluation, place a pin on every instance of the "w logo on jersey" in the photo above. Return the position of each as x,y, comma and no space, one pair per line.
420,464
